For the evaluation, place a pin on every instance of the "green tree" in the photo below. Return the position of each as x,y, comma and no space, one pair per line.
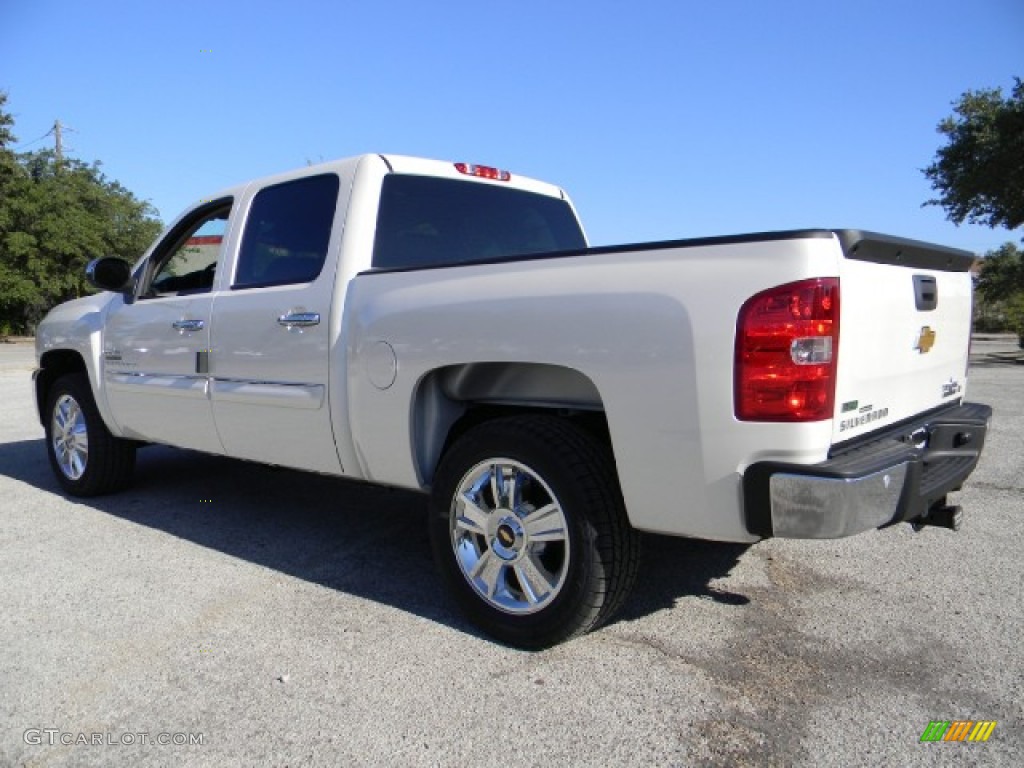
54,218
16,289
1002,273
1001,287
979,173
1015,317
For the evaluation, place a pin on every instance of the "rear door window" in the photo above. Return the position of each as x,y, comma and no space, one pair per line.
287,232
425,221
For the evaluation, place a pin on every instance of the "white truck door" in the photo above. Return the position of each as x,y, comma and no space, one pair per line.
271,343
154,349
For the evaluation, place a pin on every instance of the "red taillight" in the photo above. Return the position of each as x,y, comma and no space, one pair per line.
483,172
787,339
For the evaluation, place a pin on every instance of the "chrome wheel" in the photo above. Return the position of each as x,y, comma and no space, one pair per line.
510,536
529,531
70,437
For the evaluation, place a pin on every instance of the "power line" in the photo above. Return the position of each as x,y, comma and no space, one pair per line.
57,131
30,143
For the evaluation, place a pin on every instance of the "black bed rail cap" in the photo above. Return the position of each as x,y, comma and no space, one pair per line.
886,249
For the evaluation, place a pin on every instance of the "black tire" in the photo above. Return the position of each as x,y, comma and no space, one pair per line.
594,567
108,462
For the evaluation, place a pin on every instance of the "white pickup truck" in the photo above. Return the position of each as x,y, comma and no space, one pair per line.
445,327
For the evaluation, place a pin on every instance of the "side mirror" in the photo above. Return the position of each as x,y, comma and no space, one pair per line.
109,274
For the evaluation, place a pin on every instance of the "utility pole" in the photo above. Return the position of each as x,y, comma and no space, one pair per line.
59,140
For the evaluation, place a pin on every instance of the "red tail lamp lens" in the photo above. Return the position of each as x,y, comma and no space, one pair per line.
787,339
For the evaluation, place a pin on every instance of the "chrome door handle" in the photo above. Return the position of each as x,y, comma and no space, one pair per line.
187,325
299,319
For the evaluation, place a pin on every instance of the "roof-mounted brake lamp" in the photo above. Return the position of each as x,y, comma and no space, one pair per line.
483,172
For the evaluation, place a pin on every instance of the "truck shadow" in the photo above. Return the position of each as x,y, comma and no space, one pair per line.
368,541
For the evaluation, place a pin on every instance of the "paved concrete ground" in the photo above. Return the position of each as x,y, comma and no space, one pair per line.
287,620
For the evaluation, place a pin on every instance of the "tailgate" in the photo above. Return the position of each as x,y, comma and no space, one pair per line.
905,326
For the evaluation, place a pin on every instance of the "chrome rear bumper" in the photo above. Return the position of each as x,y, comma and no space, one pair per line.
898,476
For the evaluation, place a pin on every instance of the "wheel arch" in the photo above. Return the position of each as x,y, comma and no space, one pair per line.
52,365
450,400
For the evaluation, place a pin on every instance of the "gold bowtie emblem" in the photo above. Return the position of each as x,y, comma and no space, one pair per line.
926,340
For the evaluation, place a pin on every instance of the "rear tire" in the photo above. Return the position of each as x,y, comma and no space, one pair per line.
529,530
86,458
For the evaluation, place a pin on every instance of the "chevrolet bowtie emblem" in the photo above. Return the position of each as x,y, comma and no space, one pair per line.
926,340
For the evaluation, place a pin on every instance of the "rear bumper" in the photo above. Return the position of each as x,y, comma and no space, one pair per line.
896,477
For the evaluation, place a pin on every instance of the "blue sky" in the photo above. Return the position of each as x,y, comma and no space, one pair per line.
662,119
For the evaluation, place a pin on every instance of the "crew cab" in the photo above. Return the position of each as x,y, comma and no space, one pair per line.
445,327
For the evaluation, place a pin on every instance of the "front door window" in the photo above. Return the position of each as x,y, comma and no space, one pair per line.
188,262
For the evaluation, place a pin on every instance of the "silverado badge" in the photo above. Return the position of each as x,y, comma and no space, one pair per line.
926,340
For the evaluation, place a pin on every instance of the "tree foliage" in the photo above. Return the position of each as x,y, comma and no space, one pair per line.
979,173
55,216
1000,287
1002,273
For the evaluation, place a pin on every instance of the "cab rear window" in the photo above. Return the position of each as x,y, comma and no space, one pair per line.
425,221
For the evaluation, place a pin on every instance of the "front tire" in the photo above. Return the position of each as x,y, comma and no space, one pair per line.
86,458
529,530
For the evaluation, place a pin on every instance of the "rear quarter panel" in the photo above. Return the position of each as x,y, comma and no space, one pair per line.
652,328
